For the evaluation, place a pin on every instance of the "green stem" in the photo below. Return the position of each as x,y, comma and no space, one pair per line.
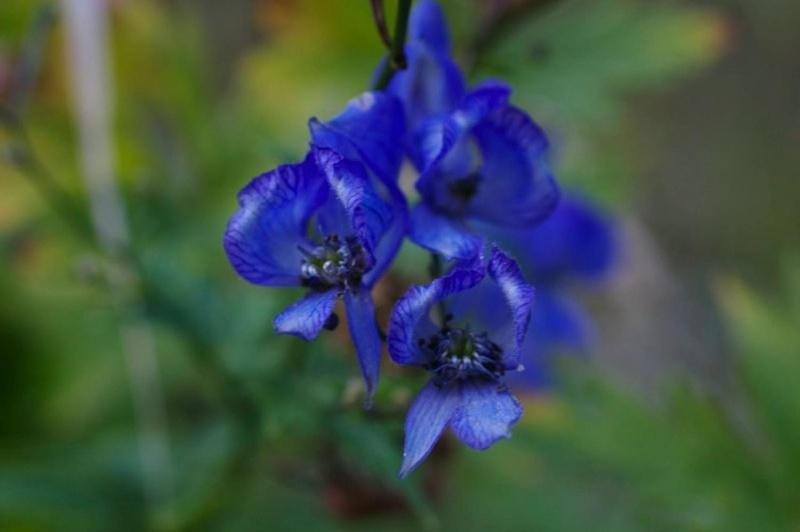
397,57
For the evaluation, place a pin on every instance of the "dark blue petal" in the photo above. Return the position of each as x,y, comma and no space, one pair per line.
392,238
364,332
370,129
263,237
306,317
486,414
431,84
409,320
434,139
427,417
483,99
558,326
517,187
355,209
427,24
577,240
442,234
519,297
439,134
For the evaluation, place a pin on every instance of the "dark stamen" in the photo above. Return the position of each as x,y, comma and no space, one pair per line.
336,263
457,354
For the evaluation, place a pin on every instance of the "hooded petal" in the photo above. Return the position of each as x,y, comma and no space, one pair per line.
442,234
431,84
577,240
364,332
409,320
518,296
517,187
427,25
370,129
306,317
427,417
263,237
486,413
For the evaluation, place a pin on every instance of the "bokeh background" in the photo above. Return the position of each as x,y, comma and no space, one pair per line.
143,389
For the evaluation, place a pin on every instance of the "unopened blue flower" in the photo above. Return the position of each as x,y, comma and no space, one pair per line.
331,224
479,158
467,360
576,245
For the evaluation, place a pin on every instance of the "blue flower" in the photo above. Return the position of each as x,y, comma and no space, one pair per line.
466,358
576,245
331,224
480,158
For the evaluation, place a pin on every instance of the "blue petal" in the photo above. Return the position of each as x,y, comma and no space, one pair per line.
486,414
518,188
439,134
370,129
431,84
427,24
577,240
442,234
427,417
263,237
392,238
306,317
409,320
558,326
519,297
355,209
483,99
364,332
434,139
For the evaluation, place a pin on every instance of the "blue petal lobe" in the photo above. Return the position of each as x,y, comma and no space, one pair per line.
483,99
432,84
367,130
427,417
393,235
577,240
486,413
519,297
364,332
365,215
263,237
558,326
518,188
305,317
442,234
427,24
409,320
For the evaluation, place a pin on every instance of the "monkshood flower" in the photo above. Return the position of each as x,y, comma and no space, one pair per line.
576,245
466,359
323,224
480,159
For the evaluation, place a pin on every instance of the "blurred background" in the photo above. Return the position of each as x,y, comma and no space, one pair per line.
142,387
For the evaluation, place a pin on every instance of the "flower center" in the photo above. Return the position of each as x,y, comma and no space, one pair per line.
458,353
464,188
336,263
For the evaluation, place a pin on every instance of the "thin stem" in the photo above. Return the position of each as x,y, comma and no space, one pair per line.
397,57
380,22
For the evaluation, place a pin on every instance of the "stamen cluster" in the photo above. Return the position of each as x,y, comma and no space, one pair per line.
336,263
458,353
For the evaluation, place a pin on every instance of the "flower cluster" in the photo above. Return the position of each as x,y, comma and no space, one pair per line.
333,223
